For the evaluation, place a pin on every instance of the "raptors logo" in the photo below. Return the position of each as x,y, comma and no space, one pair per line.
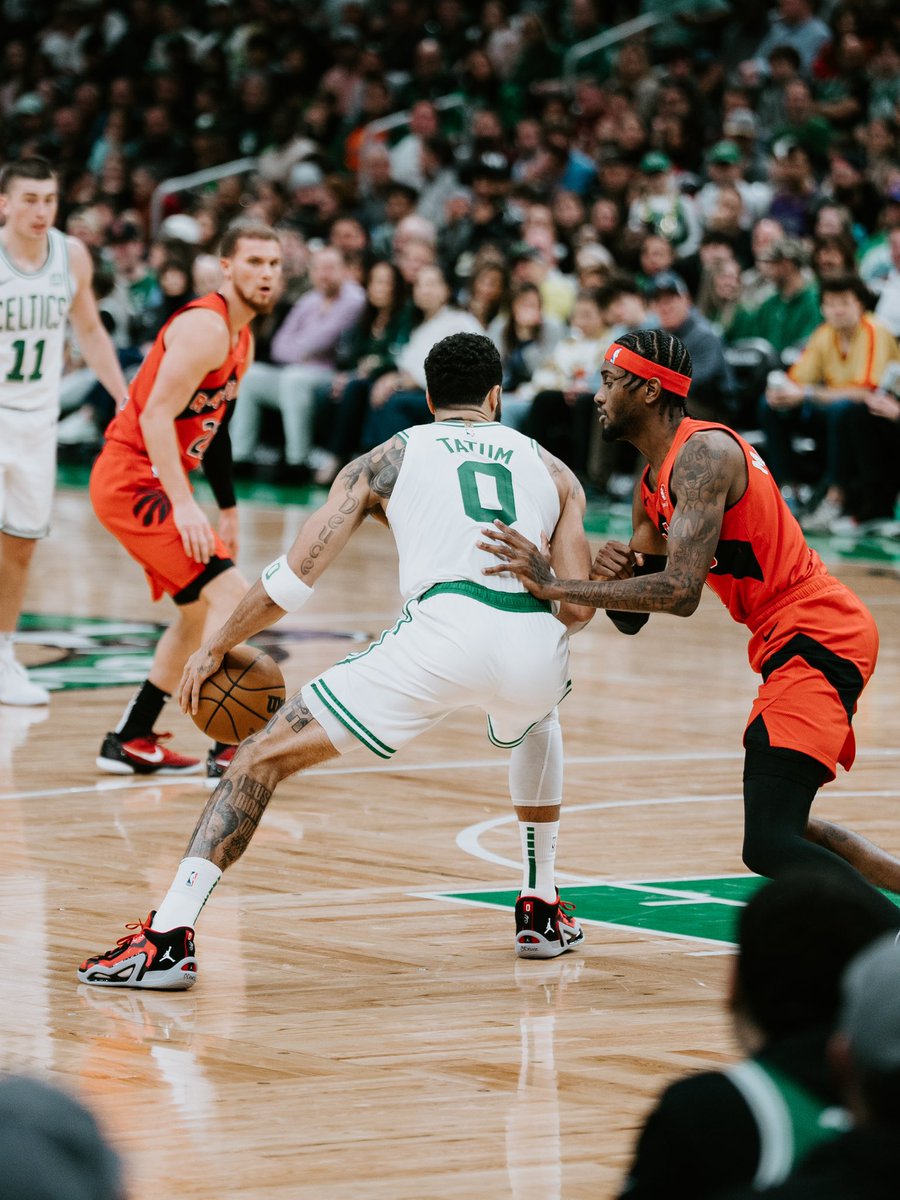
152,506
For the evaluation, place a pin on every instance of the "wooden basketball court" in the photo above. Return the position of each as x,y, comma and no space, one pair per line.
361,1027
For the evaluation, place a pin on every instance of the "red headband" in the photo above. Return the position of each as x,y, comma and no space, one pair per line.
672,381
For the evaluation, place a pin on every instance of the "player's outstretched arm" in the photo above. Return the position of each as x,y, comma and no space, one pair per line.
704,471
363,486
93,340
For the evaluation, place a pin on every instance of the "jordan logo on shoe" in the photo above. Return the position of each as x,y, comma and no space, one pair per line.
167,955
549,928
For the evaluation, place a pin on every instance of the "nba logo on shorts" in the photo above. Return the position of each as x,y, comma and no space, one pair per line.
191,879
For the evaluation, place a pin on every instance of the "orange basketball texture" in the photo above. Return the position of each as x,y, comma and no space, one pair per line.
241,696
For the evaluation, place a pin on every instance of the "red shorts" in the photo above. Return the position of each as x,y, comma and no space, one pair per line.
816,652
129,501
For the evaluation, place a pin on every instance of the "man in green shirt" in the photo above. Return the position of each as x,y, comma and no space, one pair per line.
789,317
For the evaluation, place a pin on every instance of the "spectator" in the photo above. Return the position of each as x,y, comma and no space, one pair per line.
303,355
839,369
367,351
722,298
562,412
864,1054
439,179
795,188
784,68
529,264
398,397
753,1122
741,126
795,26
400,202
712,385
888,307
725,167
832,256
406,156
656,256
525,337
51,1147
662,209
489,293
802,122
788,317
874,459
135,288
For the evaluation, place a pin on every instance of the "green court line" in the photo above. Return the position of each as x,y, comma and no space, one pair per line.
705,909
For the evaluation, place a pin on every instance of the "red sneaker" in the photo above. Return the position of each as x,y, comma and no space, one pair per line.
145,959
143,756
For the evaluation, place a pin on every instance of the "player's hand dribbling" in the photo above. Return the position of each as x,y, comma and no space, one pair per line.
199,666
615,560
197,535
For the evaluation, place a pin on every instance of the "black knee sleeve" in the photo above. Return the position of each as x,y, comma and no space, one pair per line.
779,788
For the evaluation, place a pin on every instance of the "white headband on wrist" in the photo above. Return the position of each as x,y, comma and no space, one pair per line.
283,586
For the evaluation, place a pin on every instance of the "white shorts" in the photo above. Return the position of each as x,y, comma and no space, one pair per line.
27,471
449,650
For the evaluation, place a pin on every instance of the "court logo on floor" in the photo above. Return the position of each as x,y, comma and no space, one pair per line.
94,652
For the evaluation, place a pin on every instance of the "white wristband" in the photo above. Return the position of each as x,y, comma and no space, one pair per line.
283,586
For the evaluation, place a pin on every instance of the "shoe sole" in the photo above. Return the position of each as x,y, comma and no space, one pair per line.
25,703
112,767
535,945
179,978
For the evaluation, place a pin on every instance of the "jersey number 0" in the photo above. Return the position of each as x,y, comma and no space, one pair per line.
487,492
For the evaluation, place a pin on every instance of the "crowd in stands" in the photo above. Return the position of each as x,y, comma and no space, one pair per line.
731,175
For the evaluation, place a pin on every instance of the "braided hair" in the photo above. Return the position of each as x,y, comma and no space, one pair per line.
664,349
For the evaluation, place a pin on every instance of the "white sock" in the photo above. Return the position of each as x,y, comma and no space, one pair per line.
191,888
7,652
539,858
536,781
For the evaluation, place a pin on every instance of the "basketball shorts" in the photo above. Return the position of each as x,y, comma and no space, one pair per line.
130,503
448,651
815,653
27,471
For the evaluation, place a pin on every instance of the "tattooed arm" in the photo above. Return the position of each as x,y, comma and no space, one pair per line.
364,486
709,467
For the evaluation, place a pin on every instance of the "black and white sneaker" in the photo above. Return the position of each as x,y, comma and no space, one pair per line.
217,763
145,959
545,930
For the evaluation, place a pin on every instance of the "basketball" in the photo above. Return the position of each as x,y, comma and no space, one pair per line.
241,696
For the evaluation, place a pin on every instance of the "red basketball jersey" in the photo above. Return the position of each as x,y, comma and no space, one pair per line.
198,423
762,552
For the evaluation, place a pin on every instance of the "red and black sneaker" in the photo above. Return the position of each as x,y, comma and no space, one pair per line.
145,959
545,930
217,763
143,756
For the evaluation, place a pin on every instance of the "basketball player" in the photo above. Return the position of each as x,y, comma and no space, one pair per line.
175,421
45,280
706,510
459,642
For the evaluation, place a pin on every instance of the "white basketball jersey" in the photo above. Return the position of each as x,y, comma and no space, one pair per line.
33,311
456,478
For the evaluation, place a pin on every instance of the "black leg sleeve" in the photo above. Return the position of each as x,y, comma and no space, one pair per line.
779,788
